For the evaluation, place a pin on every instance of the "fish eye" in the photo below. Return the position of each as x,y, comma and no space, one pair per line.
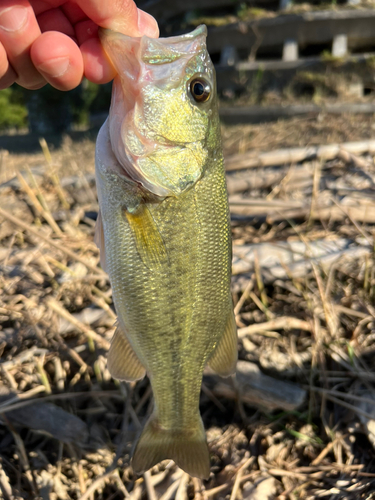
200,89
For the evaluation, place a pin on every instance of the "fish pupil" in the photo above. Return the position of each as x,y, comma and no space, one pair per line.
198,89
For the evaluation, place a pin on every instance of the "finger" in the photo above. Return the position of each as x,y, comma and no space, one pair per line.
58,59
55,20
98,69
147,24
85,30
120,16
18,31
7,75
73,12
40,6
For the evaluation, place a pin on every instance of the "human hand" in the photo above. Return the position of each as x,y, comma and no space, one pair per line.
56,41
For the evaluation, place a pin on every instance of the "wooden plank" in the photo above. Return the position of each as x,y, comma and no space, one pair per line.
308,28
290,50
340,45
285,4
165,9
258,389
292,259
296,155
229,56
262,114
278,73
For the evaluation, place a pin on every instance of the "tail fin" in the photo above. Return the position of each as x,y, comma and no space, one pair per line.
188,448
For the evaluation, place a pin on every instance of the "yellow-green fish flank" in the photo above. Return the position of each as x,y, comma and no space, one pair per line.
164,236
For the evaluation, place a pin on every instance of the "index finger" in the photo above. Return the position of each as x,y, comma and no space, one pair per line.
18,31
120,15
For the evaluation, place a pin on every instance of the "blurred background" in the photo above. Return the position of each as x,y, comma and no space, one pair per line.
296,83
266,53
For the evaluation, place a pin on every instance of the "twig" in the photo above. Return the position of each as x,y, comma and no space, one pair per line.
35,390
100,302
341,394
97,483
8,406
367,237
323,453
295,155
59,309
120,484
5,487
212,397
149,487
287,473
37,205
52,173
260,305
283,323
329,313
146,396
243,297
23,458
181,491
352,312
350,407
171,490
261,289
58,245
43,374
239,475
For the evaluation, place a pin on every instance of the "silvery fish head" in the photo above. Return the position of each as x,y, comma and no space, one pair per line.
163,105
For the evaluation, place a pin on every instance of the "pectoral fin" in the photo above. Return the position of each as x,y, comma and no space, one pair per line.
122,361
148,240
224,358
99,240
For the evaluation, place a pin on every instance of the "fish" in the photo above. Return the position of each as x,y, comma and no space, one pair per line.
164,236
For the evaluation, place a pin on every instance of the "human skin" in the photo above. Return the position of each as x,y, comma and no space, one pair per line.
56,41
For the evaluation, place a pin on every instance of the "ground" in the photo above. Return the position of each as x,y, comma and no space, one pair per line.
67,427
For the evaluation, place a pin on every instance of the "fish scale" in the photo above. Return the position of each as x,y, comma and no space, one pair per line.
166,242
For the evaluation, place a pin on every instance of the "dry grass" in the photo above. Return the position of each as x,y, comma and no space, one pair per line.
315,331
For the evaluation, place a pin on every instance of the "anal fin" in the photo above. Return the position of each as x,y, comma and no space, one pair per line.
224,358
122,361
148,240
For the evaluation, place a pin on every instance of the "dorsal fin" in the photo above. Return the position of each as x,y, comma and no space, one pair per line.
99,240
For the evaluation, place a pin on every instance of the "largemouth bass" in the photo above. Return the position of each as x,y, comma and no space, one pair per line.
164,236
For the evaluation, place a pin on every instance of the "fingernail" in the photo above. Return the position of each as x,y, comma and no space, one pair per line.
55,67
13,18
147,24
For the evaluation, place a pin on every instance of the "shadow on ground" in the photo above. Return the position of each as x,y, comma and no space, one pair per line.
29,143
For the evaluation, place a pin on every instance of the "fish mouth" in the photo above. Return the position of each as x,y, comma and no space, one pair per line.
157,133
132,51
179,42
199,30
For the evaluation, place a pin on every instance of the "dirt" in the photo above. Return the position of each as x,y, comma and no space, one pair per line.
56,322
76,152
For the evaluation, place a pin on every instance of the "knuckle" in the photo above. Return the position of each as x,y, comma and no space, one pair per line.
7,76
34,85
6,82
